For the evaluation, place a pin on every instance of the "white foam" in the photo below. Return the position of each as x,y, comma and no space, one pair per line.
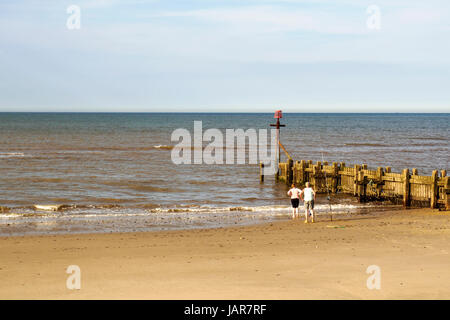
261,209
12,154
10,215
48,207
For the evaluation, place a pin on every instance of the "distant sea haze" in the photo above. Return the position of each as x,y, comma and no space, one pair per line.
114,164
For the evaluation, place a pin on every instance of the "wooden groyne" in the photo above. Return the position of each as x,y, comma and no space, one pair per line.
407,187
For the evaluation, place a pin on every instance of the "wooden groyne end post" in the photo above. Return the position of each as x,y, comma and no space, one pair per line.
446,191
278,115
406,187
434,189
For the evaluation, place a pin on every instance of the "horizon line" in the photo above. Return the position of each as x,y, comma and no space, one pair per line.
221,112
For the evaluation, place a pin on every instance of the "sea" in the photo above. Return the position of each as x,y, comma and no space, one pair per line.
113,172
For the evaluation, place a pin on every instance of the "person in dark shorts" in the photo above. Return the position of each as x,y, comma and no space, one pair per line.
294,193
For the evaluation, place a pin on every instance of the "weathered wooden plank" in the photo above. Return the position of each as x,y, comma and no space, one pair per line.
415,180
346,173
392,179
420,192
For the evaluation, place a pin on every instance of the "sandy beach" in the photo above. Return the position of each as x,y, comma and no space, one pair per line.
280,260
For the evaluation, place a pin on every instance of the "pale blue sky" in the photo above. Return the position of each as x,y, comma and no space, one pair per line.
225,56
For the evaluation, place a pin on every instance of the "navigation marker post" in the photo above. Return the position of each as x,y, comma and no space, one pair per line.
278,116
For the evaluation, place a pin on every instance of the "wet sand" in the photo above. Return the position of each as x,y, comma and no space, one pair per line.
279,260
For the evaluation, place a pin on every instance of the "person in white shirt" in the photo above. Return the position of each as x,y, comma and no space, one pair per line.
294,193
308,195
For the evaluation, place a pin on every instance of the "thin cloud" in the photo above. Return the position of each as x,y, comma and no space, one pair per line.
274,19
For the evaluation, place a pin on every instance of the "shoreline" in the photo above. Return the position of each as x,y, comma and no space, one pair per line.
57,223
274,260
320,217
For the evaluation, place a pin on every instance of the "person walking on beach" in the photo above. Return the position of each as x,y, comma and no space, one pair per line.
308,195
294,193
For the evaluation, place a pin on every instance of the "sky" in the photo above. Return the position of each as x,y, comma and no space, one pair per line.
225,56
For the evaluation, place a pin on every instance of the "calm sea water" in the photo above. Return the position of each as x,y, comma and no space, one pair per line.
113,171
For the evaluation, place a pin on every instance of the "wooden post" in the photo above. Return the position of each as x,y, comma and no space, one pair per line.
289,171
318,173
278,125
341,168
302,171
433,200
406,187
334,186
379,181
364,167
355,179
309,175
286,172
361,186
313,178
414,172
295,172
388,170
261,172
380,174
446,191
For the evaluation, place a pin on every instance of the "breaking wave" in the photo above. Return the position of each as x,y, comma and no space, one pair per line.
12,155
